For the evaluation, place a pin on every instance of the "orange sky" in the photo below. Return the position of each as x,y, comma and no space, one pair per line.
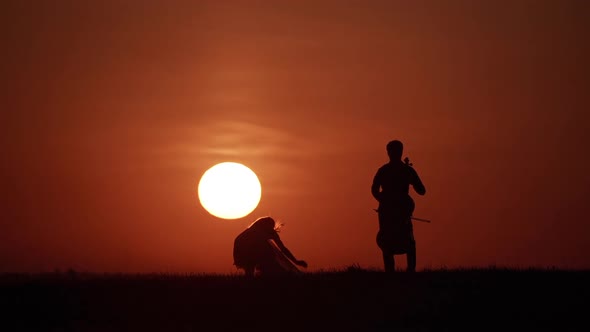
112,110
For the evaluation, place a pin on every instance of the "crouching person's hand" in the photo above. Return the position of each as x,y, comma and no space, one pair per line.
301,263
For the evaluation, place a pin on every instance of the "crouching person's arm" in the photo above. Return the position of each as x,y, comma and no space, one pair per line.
288,253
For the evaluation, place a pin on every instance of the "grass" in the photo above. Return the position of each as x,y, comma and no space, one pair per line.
351,299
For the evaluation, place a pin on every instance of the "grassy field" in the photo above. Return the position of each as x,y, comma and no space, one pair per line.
347,300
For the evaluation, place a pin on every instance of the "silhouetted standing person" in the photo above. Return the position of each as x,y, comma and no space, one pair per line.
260,248
391,188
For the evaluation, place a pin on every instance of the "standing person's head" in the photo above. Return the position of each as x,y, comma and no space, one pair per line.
395,149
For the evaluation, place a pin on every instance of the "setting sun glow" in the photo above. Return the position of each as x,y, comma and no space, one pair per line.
229,190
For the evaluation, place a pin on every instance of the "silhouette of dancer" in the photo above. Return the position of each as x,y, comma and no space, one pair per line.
259,248
391,188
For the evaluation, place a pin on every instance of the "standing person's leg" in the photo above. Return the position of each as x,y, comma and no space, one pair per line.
388,262
384,243
411,258
385,238
411,254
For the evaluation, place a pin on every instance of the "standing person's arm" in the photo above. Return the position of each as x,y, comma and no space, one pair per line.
417,183
376,186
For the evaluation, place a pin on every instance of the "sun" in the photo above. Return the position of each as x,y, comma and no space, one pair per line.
229,190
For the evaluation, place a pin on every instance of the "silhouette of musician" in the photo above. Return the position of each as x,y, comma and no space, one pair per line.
391,189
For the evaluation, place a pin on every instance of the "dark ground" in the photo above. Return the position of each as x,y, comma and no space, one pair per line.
350,300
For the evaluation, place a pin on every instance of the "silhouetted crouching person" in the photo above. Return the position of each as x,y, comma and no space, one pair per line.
391,188
259,248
